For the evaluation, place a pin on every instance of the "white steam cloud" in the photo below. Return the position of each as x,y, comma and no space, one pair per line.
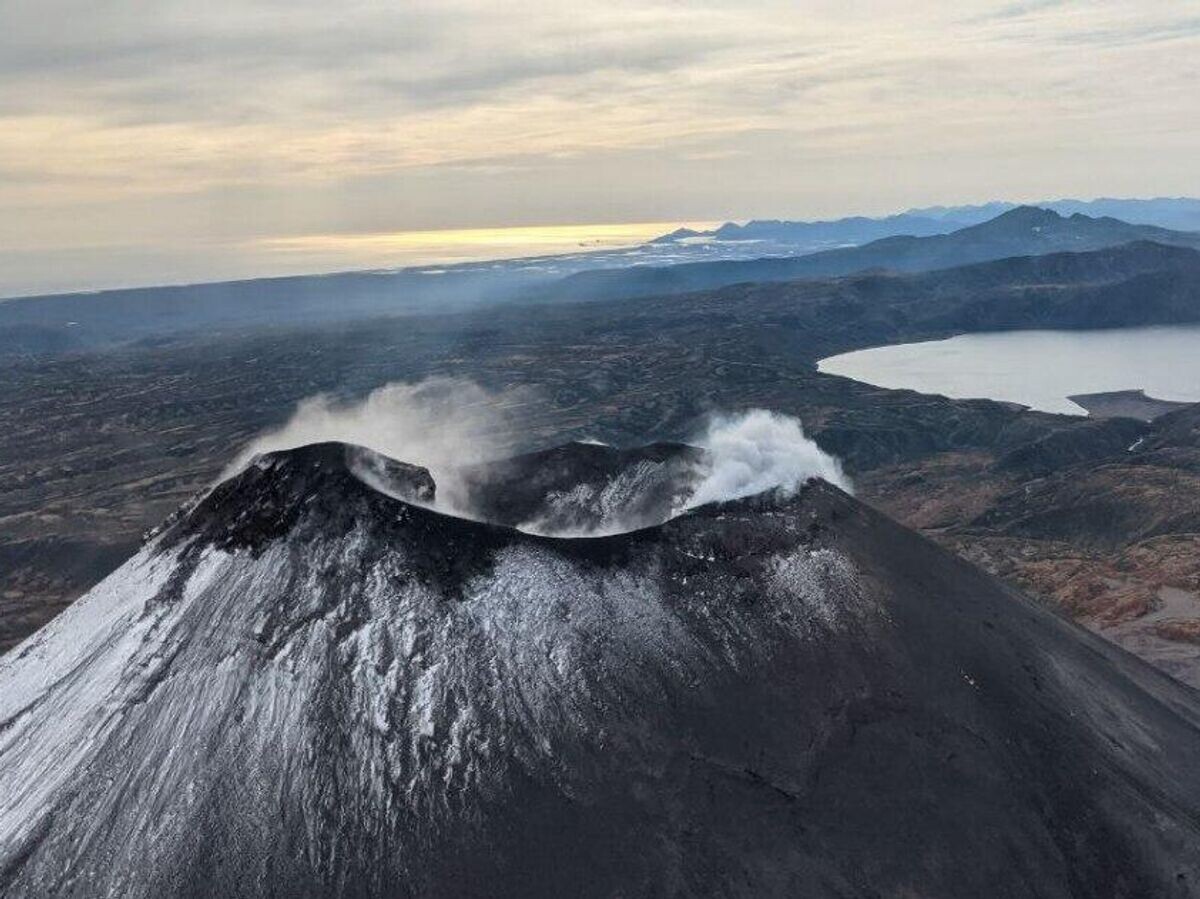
448,424
439,423
759,451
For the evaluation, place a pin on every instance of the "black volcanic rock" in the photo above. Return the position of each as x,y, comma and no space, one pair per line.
279,490
398,479
305,688
584,487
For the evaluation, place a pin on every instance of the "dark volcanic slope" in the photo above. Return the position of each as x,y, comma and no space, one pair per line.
306,688
1024,231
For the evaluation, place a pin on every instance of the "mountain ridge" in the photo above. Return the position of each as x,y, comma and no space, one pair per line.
1023,231
1179,213
64,324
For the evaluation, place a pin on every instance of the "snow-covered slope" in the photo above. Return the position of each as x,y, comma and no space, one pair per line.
306,687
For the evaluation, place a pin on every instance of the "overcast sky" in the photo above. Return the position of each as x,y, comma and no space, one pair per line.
163,140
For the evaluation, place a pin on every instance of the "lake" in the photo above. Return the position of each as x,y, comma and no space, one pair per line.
1039,369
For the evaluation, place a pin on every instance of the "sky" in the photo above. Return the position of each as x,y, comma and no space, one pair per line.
162,141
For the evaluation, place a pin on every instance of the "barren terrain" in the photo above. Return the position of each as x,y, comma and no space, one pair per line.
97,447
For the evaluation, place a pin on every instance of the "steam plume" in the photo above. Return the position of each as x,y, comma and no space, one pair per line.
449,425
439,423
759,451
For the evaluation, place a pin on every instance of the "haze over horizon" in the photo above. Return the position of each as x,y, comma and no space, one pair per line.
250,139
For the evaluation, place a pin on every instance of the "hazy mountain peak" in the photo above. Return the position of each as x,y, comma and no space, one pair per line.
1027,215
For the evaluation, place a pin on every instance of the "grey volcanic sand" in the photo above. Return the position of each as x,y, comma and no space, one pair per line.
1125,404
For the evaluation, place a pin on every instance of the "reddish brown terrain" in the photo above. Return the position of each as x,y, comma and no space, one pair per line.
1115,543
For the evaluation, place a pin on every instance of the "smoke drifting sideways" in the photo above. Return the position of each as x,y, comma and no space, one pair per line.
452,425
742,455
758,451
442,424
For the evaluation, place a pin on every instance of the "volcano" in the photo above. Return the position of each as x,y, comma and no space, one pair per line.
311,684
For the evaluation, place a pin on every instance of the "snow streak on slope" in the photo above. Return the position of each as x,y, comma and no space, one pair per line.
200,685
614,507
63,690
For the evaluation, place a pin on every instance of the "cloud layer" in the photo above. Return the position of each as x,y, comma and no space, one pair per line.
179,127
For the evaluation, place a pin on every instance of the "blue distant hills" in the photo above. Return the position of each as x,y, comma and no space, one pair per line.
686,260
1175,213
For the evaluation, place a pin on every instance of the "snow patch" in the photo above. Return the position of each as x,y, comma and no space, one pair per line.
822,590
611,509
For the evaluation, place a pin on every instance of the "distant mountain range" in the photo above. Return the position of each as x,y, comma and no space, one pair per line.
1129,285
811,236
1023,231
41,326
1178,213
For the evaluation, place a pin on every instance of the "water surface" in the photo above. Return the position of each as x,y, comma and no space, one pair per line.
1039,369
